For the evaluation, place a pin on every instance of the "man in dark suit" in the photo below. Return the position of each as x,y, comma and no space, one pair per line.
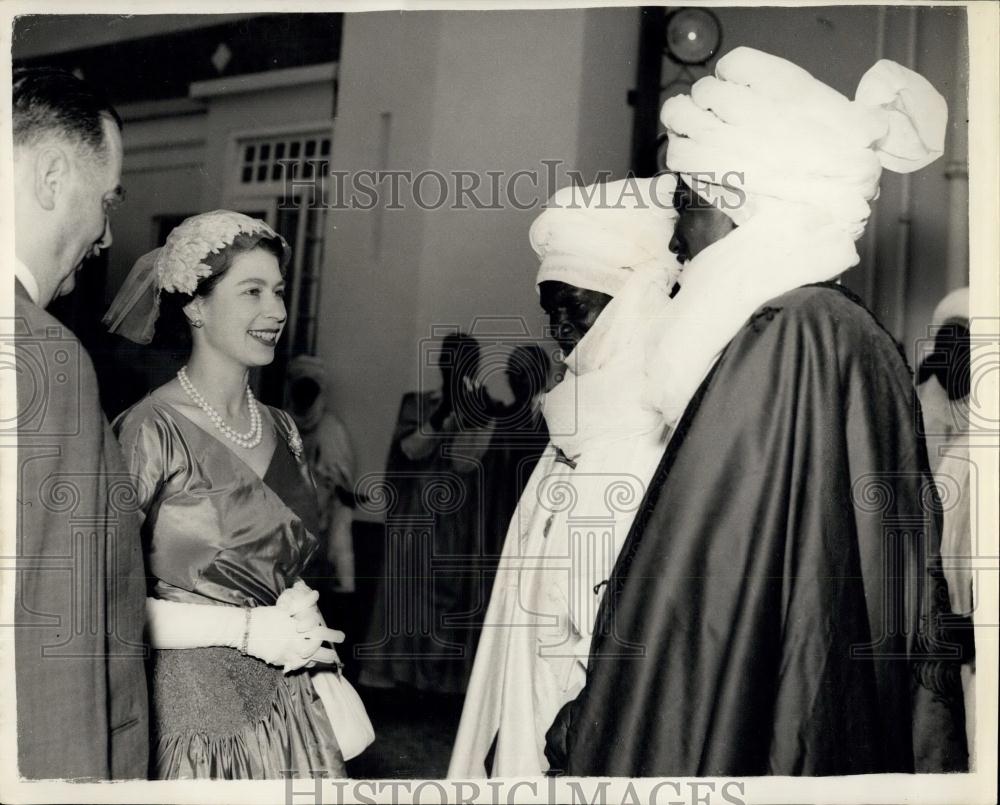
80,591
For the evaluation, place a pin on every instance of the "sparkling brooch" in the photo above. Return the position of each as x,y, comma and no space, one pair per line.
295,444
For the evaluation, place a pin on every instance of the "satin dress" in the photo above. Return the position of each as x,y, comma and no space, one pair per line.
217,533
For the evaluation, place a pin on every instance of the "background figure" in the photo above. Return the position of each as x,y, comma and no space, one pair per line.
78,647
423,629
330,455
943,385
519,439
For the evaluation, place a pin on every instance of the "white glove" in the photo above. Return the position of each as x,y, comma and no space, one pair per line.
171,624
299,601
277,638
274,635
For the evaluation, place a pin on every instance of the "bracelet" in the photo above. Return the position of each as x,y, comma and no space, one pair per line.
246,631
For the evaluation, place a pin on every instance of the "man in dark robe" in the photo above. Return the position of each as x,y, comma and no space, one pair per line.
80,588
777,606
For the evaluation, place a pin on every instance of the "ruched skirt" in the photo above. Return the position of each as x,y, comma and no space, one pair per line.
218,714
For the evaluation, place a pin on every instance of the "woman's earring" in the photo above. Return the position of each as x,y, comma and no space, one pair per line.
196,322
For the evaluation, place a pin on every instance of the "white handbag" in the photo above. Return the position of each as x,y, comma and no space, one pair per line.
346,712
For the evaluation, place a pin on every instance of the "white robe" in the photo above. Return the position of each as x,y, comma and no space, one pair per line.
563,540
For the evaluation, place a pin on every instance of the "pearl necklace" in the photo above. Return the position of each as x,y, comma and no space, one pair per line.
249,440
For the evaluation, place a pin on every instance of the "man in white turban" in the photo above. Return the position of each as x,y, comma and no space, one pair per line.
605,277
775,607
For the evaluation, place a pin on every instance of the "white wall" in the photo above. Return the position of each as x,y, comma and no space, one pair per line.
261,109
371,278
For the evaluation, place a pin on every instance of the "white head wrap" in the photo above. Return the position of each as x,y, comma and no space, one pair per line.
766,127
596,237
954,307
311,367
794,164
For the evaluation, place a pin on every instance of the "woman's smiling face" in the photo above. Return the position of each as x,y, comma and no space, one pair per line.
244,314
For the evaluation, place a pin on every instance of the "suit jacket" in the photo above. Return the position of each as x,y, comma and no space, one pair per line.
79,654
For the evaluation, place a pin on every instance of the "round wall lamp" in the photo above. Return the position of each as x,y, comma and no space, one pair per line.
692,35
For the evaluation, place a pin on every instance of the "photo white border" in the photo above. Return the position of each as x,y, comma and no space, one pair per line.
984,188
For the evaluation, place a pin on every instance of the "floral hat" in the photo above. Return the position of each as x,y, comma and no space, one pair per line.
178,267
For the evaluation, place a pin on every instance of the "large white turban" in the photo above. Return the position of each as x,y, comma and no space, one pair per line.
765,126
794,164
596,237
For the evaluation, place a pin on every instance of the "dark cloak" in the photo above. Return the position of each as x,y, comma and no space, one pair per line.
775,608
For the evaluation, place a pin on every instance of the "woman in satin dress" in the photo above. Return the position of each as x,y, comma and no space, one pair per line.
230,516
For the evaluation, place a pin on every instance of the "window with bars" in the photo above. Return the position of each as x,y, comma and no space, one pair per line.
265,164
304,227
302,295
275,159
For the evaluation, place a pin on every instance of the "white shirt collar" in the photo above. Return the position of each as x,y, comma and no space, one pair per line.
27,279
